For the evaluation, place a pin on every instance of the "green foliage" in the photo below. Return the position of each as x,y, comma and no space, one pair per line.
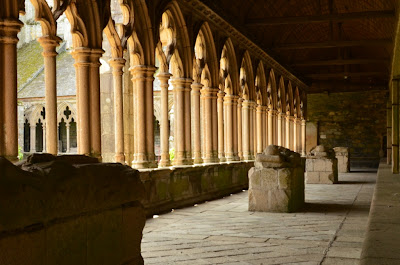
171,154
20,153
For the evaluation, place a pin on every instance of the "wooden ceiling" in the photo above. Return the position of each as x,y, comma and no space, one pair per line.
332,45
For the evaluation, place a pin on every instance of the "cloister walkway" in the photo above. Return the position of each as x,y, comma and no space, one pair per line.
330,230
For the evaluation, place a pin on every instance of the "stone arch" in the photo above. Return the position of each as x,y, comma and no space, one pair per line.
272,91
297,102
246,76
162,59
173,24
136,52
176,66
289,99
205,42
45,16
260,85
60,112
36,114
206,79
228,67
281,100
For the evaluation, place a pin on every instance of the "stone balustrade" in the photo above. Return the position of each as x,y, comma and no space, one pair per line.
321,166
276,182
70,210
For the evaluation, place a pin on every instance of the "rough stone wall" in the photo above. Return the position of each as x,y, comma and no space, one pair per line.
70,210
355,119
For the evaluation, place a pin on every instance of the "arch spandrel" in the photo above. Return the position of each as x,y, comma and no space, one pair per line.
143,28
247,76
261,84
297,102
272,92
282,95
44,15
289,97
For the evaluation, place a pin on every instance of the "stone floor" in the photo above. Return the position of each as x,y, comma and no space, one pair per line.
330,230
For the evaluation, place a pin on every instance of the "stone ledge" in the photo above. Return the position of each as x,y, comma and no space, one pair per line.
381,243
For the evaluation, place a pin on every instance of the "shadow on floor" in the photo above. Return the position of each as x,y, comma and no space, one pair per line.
355,182
326,208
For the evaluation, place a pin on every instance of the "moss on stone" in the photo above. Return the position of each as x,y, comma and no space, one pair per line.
29,61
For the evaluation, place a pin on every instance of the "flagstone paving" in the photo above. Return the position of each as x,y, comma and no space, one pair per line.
330,229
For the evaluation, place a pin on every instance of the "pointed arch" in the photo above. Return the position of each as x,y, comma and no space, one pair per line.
181,41
289,99
206,38
282,95
228,67
260,84
144,32
247,76
297,104
272,91
136,52
44,15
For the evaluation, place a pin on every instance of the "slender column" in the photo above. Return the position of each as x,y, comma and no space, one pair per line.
395,126
95,118
8,88
235,117
270,127
287,130
259,129
214,113
295,134
188,119
164,141
246,130
49,45
279,126
221,140
228,102
251,130
33,138
253,135
389,131
207,94
179,85
118,66
196,87
283,127
82,63
239,128
150,70
264,127
303,137
68,126
44,138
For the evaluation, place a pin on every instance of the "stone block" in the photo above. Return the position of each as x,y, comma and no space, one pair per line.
342,155
309,164
324,170
312,177
320,165
276,183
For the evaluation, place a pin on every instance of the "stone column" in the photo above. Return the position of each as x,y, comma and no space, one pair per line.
303,137
188,119
287,136
239,128
251,129
68,126
207,94
270,127
295,132
279,126
246,129
9,29
214,101
150,116
395,126
44,138
235,117
118,65
33,138
264,127
95,116
221,138
389,132
49,45
164,126
228,102
196,87
82,64
179,86
259,128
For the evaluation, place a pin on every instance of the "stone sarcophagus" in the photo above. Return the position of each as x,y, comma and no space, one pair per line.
276,182
321,166
342,155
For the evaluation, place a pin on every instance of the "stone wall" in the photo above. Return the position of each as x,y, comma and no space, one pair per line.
70,210
355,119
169,188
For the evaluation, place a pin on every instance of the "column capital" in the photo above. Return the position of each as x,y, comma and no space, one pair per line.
303,122
117,64
181,84
196,87
49,44
9,29
164,76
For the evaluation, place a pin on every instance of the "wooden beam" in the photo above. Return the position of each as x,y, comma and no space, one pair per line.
272,21
342,62
333,44
343,86
346,75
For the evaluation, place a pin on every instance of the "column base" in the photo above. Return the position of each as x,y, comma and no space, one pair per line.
197,159
143,164
97,155
12,159
222,158
164,163
210,160
182,162
120,158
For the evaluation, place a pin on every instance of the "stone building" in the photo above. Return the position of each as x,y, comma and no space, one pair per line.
155,84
